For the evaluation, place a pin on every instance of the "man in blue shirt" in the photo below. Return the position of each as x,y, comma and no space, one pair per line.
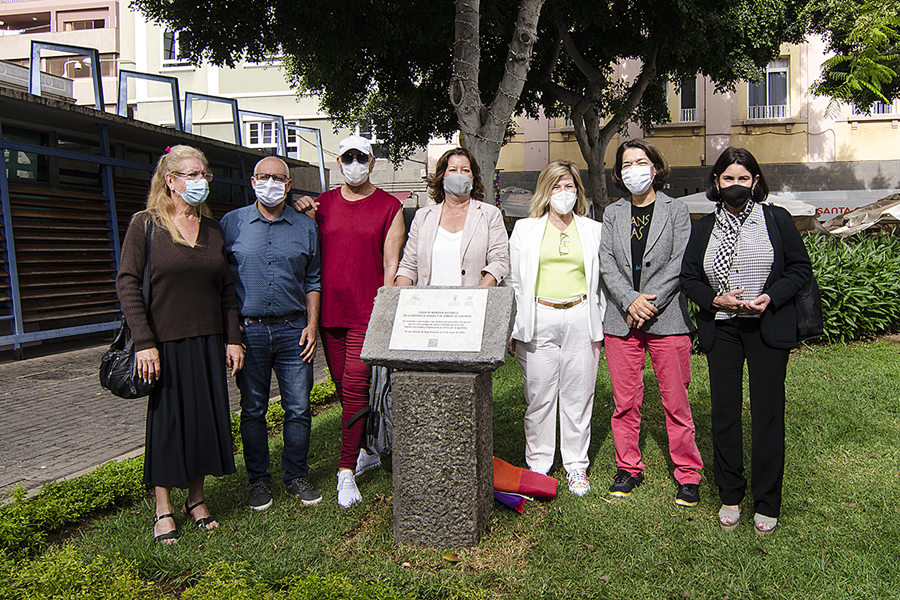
273,253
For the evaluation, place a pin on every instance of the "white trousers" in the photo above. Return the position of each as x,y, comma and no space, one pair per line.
559,366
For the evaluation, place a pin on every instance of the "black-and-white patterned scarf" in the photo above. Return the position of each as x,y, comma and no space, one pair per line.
731,227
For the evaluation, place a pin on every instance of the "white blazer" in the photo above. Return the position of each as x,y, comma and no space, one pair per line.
524,255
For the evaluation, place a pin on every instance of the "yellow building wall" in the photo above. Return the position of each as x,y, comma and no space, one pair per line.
680,147
512,155
773,142
871,140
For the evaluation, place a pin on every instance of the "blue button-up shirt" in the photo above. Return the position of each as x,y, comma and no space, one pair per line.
273,263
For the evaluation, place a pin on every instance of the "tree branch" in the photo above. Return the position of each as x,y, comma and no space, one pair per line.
590,72
635,93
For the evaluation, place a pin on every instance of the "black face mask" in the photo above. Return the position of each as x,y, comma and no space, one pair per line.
735,195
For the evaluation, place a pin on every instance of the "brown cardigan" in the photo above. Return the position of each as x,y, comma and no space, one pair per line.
191,291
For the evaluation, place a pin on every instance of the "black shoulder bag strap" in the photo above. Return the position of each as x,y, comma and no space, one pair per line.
145,283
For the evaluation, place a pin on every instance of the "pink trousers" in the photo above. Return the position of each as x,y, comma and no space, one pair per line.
671,359
351,380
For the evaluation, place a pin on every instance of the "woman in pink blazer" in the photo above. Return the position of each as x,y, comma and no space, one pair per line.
459,240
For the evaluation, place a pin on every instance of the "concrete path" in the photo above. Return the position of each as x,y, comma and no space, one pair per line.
57,422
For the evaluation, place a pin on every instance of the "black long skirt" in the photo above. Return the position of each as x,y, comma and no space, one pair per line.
188,429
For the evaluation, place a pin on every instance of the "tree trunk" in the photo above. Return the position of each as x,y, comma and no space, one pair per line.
593,139
483,128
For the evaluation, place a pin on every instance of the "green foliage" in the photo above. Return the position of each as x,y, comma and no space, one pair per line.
65,573
338,587
865,38
24,524
860,282
228,581
323,393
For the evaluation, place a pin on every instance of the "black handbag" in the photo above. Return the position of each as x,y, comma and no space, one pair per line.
808,304
118,367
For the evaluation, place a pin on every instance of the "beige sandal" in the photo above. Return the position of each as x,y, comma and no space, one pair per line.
764,525
729,518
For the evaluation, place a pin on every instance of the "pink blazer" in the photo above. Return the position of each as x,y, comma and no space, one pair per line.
484,248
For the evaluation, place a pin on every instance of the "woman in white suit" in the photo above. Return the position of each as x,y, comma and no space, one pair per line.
555,272
459,240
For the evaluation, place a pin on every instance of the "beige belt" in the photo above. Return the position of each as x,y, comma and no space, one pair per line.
562,305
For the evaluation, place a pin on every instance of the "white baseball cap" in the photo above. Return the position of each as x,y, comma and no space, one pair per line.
355,142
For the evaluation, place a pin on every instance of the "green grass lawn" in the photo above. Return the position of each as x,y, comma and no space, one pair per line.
838,536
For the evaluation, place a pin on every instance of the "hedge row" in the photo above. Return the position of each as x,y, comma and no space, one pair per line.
860,282
64,573
24,525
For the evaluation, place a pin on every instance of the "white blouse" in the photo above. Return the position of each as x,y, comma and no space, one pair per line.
445,258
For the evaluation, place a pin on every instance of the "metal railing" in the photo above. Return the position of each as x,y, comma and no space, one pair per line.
880,108
688,115
106,163
769,111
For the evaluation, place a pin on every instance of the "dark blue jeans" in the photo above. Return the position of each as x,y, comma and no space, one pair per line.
275,347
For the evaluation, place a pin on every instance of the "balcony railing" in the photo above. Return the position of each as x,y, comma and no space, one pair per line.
880,108
688,115
769,111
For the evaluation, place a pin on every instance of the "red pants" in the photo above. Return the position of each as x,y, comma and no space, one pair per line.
671,359
351,378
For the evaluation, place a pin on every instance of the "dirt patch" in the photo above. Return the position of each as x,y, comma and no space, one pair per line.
895,338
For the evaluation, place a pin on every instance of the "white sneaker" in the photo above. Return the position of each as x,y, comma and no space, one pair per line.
366,462
347,491
578,482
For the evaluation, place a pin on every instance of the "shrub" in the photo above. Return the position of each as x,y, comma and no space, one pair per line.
323,393
338,587
24,524
860,282
64,573
228,581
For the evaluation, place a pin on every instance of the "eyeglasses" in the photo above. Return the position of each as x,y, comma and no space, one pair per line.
194,175
563,244
361,158
268,176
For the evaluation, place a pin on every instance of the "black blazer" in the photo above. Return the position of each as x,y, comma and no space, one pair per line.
791,269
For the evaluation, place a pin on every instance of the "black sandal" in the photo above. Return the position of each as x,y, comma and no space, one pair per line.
169,535
202,522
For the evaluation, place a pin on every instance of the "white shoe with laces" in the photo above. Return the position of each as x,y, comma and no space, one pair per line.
578,482
348,493
366,462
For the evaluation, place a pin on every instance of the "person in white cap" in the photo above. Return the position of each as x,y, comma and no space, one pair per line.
361,229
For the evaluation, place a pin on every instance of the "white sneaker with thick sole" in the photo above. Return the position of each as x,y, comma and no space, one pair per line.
578,482
348,493
366,462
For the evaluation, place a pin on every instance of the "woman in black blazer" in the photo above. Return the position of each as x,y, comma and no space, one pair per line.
743,265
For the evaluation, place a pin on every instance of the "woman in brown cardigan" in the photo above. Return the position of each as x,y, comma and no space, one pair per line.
185,338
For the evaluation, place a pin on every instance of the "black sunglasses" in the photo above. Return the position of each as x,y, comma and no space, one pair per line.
361,158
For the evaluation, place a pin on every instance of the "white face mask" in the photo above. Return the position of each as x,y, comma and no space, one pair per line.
638,178
355,173
269,193
563,202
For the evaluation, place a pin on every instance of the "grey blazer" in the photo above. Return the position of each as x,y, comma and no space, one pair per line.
669,232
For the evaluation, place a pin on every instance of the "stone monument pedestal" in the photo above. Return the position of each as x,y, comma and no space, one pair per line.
443,424
442,456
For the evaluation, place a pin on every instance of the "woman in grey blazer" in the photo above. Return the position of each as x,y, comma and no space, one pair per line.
644,237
